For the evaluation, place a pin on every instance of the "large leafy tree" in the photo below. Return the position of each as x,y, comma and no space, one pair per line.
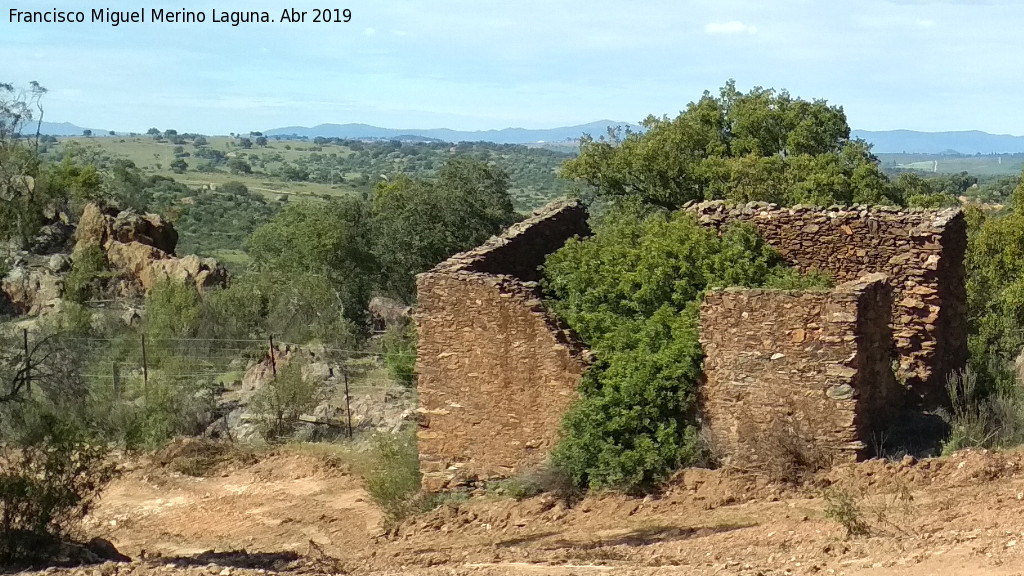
418,223
760,145
995,290
313,253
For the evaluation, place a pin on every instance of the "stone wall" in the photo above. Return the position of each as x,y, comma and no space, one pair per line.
808,372
921,251
495,371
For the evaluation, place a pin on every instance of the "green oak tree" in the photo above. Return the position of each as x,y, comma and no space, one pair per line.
418,223
759,145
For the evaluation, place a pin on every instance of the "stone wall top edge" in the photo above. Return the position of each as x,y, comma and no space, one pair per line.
506,280
941,215
853,286
550,211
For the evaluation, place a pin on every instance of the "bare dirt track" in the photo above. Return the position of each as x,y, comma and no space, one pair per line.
295,514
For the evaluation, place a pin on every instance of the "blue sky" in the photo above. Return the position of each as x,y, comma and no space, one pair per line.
471,64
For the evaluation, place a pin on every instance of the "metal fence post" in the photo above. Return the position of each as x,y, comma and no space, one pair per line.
348,406
145,373
28,363
273,361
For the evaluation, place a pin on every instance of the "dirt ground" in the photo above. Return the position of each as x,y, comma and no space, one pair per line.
295,513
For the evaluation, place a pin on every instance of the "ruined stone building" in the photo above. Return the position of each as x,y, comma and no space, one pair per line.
496,372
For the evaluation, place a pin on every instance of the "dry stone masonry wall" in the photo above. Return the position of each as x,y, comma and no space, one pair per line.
798,375
495,371
921,252
810,371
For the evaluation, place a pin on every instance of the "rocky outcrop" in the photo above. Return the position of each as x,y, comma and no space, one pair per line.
30,291
53,238
385,312
140,250
104,226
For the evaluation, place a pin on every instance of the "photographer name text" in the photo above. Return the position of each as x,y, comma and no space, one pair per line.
161,16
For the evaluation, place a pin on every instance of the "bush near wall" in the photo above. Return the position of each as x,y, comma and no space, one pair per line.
632,292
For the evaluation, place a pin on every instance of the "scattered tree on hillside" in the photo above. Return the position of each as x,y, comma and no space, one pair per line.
239,166
419,223
323,246
24,193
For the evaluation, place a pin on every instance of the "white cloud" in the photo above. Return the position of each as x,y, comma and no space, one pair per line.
730,27
925,23
370,31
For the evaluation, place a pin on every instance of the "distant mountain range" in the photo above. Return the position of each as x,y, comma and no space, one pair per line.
967,142
59,129
504,136
884,141
887,141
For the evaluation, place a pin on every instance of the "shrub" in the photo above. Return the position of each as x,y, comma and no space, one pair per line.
46,487
399,346
89,269
173,310
548,479
281,401
178,398
995,293
201,457
981,419
842,507
393,480
632,292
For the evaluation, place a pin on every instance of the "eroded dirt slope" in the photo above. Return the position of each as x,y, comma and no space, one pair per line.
295,514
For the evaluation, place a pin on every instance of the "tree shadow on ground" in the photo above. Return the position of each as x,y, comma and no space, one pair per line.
651,535
269,561
530,538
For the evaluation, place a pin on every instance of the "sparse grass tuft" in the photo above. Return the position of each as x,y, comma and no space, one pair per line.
201,457
784,453
980,421
544,480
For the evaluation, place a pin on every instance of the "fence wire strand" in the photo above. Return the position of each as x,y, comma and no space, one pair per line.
127,370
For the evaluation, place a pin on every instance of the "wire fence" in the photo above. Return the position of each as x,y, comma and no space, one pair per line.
357,389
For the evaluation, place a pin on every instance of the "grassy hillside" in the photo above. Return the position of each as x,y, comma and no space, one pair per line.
984,165
322,168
